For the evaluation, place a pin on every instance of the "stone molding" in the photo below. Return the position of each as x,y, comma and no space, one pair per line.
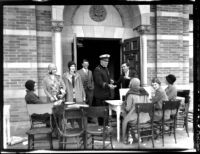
142,29
57,26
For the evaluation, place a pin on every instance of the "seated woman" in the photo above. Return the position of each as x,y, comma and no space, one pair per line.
32,98
136,94
171,90
160,95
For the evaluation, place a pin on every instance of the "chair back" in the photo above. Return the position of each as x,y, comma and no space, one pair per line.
39,108
185,94
73,113
171,105
122,92
145,108
97,112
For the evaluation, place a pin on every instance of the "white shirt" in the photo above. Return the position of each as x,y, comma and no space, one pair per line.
127,74
85,70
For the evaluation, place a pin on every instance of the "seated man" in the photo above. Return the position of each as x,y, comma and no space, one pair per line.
32,98
136,94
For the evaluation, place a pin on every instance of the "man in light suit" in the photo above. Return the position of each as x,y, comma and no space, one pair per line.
87,81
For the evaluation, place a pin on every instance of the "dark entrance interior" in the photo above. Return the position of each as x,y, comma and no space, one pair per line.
90,49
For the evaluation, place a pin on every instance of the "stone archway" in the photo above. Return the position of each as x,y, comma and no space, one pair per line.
133,17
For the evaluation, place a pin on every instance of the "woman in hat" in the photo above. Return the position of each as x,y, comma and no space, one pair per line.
53,84
171,90
136,94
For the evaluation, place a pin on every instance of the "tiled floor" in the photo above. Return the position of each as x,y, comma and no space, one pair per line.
183,143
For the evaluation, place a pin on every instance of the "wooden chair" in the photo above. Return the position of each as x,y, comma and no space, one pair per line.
183,115
144,130
171,123
100,133
67,131
39,127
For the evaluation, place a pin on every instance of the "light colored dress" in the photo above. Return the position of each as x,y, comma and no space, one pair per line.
52,86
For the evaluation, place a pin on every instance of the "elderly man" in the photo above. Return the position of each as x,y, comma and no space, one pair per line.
102,83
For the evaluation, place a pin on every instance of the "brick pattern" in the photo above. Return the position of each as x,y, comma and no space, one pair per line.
15,78
43,19
20,49
169,51
170,8
19,18
44,52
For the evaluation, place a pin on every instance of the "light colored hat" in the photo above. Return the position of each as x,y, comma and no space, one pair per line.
104,56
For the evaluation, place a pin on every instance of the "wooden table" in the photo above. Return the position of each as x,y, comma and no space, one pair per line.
115,105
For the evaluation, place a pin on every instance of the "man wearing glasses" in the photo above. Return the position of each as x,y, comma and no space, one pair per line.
102,83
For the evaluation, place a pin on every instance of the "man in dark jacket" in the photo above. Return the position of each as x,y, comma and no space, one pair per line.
125,77
102,83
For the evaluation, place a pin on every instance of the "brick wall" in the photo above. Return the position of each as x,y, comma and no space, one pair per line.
27,44
170,24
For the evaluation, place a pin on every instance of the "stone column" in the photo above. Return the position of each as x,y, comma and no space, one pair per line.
142,29
57,27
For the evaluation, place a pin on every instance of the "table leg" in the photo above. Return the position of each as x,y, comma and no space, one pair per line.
110,110
118,126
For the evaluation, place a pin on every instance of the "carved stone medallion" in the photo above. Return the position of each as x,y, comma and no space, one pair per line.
98,13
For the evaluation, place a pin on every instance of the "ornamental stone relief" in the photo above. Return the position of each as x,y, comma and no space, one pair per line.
97,13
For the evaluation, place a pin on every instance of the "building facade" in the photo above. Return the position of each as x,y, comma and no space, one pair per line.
154,39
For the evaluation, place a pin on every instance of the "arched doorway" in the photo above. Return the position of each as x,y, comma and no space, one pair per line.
118,24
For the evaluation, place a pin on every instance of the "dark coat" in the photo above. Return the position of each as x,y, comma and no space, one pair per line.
101,80
124,82
32,98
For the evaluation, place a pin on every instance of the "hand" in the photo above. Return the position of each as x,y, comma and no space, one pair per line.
126,77
112,81
111,86
52,99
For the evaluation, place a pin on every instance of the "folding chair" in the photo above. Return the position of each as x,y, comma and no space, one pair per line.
38,126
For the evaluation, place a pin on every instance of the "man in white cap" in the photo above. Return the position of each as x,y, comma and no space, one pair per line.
102,83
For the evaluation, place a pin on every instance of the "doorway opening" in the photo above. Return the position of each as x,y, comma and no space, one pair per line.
92,48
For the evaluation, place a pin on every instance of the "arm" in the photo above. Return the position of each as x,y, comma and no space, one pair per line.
33,99
99,80
129,103
46,91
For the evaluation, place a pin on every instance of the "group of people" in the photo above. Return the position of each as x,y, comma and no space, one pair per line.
93,88
137,94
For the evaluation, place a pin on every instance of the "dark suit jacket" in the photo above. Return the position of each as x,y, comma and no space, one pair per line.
101,80
125,82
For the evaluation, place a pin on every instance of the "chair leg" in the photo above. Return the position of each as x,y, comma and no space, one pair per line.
186,126
103,141
162,135
32,142
50,141
174,132
152,137
138,139
60,140
65,142
92,142
111,141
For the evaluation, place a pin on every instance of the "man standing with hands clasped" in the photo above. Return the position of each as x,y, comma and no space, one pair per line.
102,83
